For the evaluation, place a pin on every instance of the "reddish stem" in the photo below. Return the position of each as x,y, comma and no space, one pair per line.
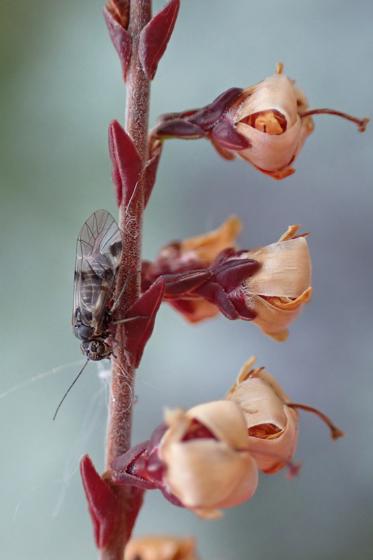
130,221
360,123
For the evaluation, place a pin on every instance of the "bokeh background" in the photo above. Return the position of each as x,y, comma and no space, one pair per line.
60,87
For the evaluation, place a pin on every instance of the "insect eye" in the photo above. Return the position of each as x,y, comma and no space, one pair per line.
116,248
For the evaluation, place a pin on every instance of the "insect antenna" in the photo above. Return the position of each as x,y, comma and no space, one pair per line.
69,389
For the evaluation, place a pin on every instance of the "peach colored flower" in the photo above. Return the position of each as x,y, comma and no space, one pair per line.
272,426
206,247
265,124
271,418
282,285
205,454
161,547
269,116
274,117
203,277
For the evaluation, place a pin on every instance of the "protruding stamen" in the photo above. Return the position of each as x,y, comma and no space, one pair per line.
270,122
335,432
360,123
279,68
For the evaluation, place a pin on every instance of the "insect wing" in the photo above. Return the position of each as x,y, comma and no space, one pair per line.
98,254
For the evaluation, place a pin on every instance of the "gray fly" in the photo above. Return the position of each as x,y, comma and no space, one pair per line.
98,254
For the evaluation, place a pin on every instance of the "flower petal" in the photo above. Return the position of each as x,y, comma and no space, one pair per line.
277,92
207,474
209,245
161,547
260,404
273,454
270,152
285,269
275,315
224,419
269,117
195,310
272,425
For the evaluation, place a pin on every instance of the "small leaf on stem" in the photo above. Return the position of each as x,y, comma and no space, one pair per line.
103,505
155,36
126,162
116,18
142,314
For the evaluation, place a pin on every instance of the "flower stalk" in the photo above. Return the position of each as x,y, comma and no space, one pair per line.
130,223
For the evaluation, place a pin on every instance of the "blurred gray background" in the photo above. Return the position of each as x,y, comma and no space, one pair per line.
60,87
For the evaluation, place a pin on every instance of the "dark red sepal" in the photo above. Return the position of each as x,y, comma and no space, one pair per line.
207,117
215,294
126,162
245,312
225,154
233,272
222,290
181,283
155,36
225,254
140,320
225,134
140,466
103,505
179,128
123,471
120,37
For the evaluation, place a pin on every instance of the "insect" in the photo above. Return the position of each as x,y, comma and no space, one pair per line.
98,254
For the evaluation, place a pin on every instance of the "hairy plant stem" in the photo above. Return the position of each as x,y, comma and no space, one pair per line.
130,222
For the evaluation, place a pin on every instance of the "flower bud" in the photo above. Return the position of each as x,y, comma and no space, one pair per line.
199,459
205,454
272,427
271,418
161,548
269,116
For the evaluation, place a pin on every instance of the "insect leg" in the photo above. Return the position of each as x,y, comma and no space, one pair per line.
128,319
117,301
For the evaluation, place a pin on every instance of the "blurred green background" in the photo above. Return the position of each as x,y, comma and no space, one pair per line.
60,87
